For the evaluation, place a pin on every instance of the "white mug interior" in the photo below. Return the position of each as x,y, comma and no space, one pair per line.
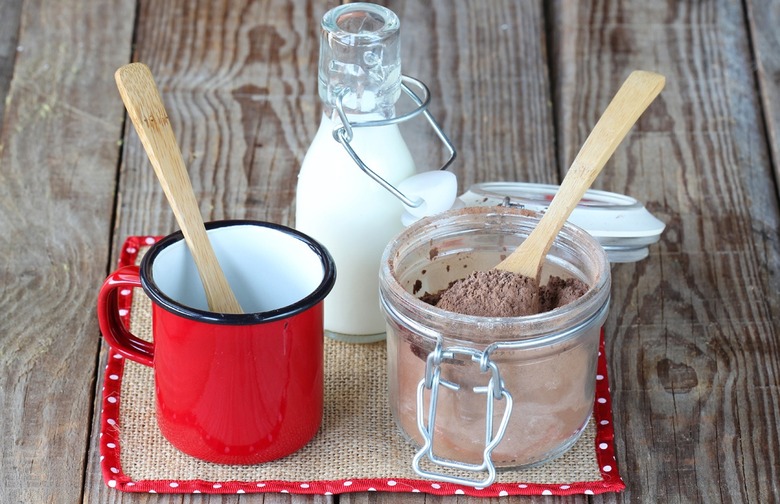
268,268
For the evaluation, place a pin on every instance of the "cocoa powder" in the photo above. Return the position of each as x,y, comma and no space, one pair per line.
560,292
498,293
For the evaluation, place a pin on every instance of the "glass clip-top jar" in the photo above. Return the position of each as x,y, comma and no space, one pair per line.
479,394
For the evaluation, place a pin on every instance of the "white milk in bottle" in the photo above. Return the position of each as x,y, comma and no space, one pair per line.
337,204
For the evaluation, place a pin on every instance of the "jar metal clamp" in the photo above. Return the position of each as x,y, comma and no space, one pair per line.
494,391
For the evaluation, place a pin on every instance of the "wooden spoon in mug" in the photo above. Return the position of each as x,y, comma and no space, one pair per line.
147,112
631,100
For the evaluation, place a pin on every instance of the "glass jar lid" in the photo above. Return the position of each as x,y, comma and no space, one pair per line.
621,224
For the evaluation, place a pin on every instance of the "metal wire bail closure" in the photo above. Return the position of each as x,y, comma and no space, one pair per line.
343,134
494,391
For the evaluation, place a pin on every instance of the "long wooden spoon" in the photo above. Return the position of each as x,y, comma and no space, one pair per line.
631,100
145,107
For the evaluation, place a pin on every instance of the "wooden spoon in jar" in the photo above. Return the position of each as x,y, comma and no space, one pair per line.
631,100
147,112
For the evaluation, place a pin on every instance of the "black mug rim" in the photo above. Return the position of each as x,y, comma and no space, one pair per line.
164,301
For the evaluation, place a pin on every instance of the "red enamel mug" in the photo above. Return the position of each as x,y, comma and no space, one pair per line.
232,388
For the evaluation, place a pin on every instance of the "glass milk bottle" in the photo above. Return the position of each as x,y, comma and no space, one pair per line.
347,211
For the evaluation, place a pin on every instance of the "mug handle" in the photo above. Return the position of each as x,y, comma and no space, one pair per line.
114,331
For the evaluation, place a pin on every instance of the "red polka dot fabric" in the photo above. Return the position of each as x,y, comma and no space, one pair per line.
114,477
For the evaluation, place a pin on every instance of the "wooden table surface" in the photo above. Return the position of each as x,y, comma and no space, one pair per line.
691,338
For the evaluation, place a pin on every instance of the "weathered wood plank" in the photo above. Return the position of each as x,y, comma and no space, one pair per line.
692,346
9,33
58,159
239,82
243,102
486,67
763,19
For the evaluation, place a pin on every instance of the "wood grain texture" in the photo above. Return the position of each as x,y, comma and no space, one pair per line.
9,33
692,346
58,158
763,18
242,95
486,66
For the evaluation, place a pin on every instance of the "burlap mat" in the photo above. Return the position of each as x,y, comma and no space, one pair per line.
358,439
